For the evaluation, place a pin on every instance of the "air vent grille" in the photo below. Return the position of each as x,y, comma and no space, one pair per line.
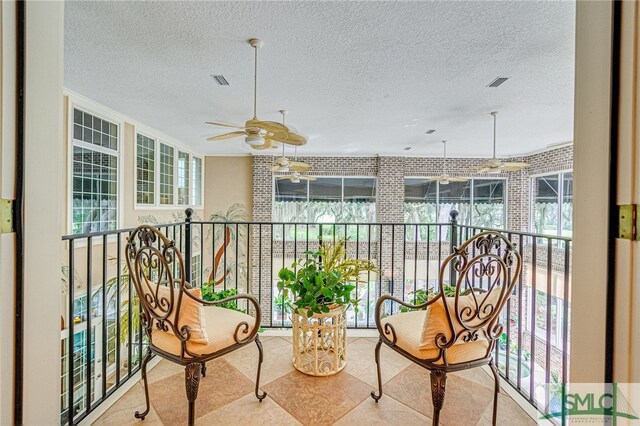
219,78
498,81
430,131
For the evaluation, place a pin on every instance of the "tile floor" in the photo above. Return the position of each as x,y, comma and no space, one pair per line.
226,395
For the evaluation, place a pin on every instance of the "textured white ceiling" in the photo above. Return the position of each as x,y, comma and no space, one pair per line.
358,77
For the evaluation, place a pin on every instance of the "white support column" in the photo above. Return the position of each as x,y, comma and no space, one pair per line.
44,198
591,180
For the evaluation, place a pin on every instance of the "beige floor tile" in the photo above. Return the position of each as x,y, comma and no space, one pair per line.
164,369
122,412
387,411
247,411
465,401
223,384
509,413
308,398
276,362
361,362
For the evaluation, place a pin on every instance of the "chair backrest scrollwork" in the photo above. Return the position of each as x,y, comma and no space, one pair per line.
486,268
154,262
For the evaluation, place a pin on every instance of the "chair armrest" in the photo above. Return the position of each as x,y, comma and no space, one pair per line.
242,325
387,329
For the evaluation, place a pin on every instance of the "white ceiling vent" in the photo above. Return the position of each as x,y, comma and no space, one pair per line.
430,131
219,78
498,81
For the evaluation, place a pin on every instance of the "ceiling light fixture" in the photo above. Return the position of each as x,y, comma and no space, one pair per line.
498,81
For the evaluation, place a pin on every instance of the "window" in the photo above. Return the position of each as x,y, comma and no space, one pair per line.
166,174
552,204
479,202
164,178
183,178
94,174
326,200
557,311
196,166
196,272
145,167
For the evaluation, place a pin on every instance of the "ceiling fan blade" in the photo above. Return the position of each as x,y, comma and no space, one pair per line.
458,179
269,126
234,126
275,167
285,177
435,178
488,170
299,166
308,178
515,164
226,136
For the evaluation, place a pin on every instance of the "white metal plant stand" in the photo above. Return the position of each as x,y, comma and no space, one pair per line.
320,342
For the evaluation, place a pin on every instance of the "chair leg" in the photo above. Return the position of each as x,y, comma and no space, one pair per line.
373,393
192,381
496,391
438,383
138,414
259,395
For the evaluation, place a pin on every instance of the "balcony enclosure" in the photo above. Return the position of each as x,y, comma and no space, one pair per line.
105,338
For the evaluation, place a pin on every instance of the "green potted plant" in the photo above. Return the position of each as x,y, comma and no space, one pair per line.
325,280
321,288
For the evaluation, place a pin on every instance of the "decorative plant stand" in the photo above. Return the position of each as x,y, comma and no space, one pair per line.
320,342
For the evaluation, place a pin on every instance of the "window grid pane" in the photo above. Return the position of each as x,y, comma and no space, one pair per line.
90,129
145,170
197,181
94,191
166,174
183,178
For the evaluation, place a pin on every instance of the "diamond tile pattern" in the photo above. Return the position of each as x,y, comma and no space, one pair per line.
226,395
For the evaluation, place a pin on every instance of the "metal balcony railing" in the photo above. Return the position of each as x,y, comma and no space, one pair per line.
103,341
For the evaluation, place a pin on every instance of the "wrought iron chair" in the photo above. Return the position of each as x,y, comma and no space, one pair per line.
449,334
173,316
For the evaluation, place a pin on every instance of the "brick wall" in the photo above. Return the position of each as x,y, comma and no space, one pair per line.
390,173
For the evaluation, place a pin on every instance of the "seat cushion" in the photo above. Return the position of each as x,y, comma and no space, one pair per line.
221,324
408,330
436,317
191,313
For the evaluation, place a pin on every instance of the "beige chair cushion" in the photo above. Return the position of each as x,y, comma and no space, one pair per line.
221,327
436,317
191,314
408,329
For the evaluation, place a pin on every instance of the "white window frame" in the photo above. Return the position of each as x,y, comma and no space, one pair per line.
156,168
375,178
177,147
471,194
99,111
532,180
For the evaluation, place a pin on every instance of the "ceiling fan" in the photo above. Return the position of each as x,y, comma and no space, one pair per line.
444,178
495,165
283,164
296,177
257,133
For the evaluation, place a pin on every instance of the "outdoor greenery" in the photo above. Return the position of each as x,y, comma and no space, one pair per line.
209,294
324,280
